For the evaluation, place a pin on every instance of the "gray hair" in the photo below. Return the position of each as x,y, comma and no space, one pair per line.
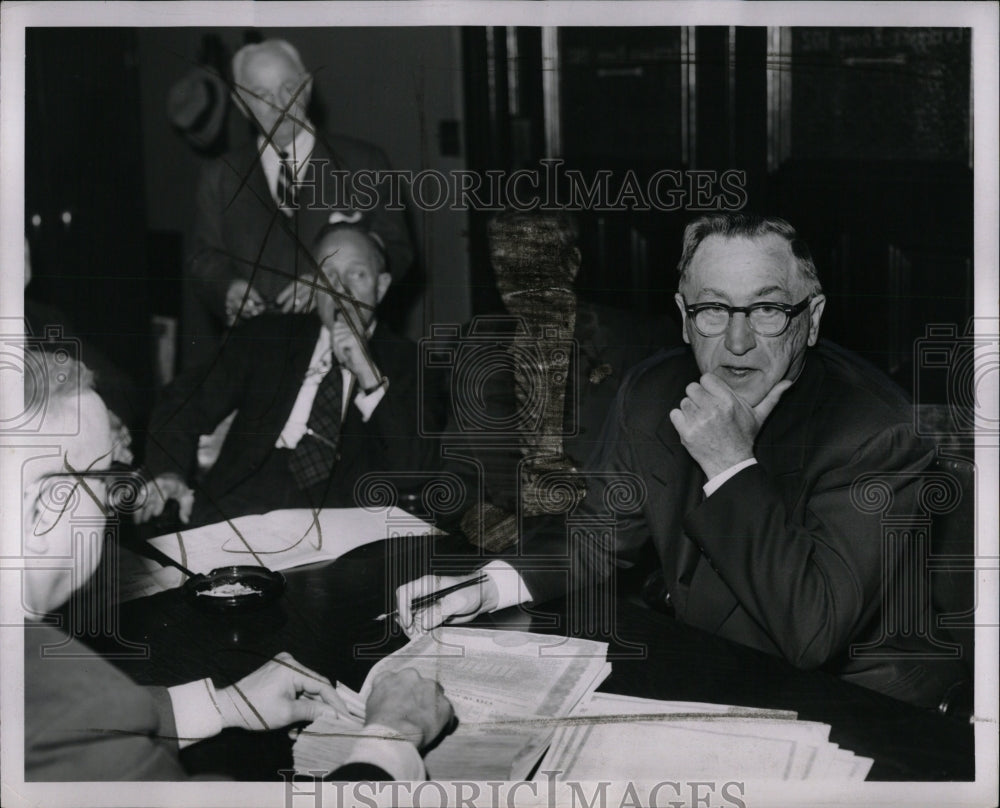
268,45
54,382
747,225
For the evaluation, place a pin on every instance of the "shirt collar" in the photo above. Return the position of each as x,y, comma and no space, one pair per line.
299,150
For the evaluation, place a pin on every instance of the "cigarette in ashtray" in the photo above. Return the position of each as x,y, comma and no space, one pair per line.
229,590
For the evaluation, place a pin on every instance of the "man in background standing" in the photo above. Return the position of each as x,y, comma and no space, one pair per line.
260,206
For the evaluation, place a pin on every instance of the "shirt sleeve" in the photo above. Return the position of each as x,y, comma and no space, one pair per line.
387,749
510,586
716,482
367,403
196,711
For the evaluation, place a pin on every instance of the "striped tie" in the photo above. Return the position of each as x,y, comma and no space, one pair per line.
286,185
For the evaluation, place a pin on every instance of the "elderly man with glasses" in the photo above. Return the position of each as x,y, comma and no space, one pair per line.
260,206
744,449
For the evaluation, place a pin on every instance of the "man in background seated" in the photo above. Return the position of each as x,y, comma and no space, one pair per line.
84,719
321,401
744,449
261,206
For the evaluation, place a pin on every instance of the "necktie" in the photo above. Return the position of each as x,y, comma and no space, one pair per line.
286,185
312,460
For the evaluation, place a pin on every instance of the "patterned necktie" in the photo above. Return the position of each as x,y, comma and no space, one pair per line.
312,460
286,185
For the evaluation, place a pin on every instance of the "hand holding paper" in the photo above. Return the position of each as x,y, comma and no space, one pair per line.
407,702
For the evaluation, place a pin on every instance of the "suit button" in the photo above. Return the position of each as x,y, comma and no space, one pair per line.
338,457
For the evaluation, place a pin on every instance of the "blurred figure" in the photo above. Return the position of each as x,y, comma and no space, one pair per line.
260,207
567,359
84,719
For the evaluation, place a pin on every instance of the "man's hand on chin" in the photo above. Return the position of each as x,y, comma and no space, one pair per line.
718,427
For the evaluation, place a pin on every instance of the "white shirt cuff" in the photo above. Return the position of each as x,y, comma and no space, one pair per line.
196,711
367,404
510,586
386,748
716,482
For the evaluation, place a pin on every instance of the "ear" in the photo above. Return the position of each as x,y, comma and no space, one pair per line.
679,300
382,286
816,306
306,94
240,104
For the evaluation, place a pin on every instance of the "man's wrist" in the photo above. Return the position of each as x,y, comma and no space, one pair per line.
379,745
236,710
717,481
197,713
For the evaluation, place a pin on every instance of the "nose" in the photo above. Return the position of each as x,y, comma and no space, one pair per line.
739,336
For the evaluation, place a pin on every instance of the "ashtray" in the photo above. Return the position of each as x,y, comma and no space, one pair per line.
234,589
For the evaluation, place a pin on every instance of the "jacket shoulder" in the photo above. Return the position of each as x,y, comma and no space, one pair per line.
351,151
859,393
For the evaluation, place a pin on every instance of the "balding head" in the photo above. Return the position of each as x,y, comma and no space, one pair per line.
272,88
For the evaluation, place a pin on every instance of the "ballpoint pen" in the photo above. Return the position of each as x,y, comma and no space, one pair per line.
427,600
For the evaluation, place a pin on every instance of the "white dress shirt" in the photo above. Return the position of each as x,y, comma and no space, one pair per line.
197,716
299,151
320,364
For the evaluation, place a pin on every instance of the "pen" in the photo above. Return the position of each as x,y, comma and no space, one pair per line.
427,600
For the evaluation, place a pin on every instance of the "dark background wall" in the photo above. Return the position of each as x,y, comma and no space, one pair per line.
861,141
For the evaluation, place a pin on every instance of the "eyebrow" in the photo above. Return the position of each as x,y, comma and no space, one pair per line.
763,291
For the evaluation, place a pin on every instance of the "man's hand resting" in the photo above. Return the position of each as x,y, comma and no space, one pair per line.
158,491
413,706
242,302
279,693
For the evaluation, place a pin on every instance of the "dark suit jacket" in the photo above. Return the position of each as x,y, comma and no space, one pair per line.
779,558
259,371
242,234
85,720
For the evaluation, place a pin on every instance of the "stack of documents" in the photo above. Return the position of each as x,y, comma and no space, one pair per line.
641,739
278,540
506,687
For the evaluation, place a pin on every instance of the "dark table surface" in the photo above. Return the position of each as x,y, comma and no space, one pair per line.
325,620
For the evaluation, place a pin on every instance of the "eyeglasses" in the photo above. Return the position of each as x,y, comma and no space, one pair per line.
293,88
765,319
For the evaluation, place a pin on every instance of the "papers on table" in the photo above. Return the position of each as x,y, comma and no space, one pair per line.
640,739
506,687
516,694
277,540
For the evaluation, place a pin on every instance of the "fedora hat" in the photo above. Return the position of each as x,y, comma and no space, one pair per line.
196,106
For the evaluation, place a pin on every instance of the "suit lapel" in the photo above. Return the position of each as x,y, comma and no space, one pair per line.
780,449
301,344
781,445
682,480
